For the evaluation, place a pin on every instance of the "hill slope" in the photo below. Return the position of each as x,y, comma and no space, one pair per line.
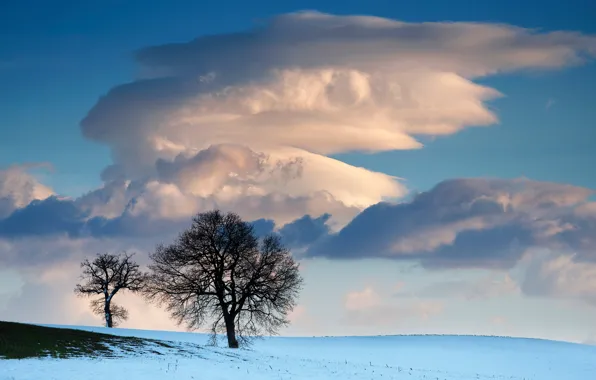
394,357
22,341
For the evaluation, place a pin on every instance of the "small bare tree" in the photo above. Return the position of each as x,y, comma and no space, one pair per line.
219,272
104,277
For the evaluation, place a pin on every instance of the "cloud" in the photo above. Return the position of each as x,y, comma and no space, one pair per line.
362,300
202,127
49,216
149,214
305,231
546,231
319,83
18,188
495,285
231,178
470,223
48,269
561,276
199,128
325,39
61,225
394,315
48,291
487,223
366,307
229,171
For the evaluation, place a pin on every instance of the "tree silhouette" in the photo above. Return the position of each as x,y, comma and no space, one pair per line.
107,275
218,271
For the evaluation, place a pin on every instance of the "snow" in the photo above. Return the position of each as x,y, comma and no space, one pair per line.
389,357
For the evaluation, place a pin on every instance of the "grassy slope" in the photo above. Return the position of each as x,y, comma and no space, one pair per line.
20,341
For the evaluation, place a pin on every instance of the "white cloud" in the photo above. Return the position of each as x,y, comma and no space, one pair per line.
282,185
200,128
329,110
308,85
312,39
586,210
18,188
38,253
367,307
362,300
228,173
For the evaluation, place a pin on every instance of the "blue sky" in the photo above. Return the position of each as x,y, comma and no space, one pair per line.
58,59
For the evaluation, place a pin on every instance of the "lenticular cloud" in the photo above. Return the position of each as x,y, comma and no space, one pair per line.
257,114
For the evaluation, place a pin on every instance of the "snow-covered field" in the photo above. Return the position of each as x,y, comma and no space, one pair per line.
397,357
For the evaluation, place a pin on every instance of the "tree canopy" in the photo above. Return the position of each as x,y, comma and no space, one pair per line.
105,276
218,272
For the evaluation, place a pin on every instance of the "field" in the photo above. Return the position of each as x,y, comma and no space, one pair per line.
73,353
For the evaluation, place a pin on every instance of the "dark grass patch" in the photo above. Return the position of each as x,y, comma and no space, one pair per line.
21,341
163,344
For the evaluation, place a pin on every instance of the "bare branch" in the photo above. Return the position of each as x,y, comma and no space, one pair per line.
218,272
108,274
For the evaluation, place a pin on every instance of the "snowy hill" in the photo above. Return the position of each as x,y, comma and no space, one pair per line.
186,356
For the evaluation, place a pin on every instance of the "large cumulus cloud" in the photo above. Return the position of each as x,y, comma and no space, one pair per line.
281,186
255,115
247,121
320,83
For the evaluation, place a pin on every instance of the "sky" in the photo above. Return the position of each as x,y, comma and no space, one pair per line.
429,165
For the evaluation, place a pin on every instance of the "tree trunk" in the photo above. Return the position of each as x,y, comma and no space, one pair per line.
108,314
231,332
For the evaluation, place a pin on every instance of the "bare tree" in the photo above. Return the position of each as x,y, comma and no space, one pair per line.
218,272
104,277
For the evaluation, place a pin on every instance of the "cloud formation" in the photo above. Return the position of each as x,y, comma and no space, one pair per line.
18,188
475,222
199,126
366,308
362,300
235,178
322,83
482,288
312,39
546,229
561,276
